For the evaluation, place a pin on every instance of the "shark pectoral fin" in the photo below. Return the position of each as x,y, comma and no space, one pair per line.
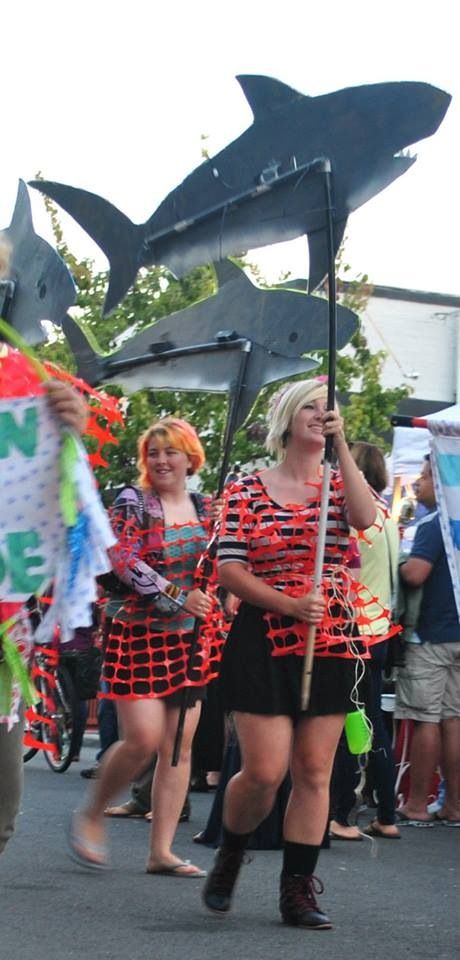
247,400
317,246
116,235
402,163
282,368
90,363
265,94
226,271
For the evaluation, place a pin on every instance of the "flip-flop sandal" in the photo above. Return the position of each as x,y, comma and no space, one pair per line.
373,831
405,821
335,834
128,810
80,850
445,822
338,836
177,870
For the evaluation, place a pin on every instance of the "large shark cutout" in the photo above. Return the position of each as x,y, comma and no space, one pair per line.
199,348
267,186
39,286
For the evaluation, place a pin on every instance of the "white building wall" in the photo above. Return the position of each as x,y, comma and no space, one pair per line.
422,343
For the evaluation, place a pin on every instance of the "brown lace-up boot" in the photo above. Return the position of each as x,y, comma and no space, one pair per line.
220,883
298,904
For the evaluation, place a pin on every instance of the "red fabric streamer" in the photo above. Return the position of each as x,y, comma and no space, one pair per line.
18,378
101,407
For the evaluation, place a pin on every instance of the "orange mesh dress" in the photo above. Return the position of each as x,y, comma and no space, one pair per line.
262,663
147,653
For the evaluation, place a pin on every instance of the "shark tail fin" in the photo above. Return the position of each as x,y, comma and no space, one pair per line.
90,364
116,235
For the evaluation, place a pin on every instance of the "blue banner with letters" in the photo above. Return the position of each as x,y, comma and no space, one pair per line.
445,446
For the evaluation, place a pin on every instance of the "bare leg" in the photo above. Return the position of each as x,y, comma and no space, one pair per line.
315,744
169,789
143,723
265,744
450,765
424,758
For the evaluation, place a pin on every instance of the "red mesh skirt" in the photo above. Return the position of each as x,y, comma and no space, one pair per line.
143,662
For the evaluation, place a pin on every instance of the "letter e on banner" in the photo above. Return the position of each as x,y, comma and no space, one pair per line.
32,531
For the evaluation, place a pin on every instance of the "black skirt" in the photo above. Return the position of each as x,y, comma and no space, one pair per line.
253,681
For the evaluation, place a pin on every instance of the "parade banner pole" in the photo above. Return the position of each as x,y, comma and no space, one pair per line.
325,487
398,420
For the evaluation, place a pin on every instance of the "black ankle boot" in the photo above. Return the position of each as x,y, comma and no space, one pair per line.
298,904
220,883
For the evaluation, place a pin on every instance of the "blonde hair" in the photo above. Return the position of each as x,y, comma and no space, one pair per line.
174,432
5,256
285,405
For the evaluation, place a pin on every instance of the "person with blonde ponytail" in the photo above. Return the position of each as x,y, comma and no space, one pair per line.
266,558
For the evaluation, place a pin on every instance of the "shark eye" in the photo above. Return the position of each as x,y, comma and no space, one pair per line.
293,337
41,289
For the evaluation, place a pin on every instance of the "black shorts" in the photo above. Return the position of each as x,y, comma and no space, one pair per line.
253,681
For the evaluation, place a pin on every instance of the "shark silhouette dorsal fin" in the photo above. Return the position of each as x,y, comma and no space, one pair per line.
226,271
265,94
22,208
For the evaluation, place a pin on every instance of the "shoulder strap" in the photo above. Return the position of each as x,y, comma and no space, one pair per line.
390,565
198,501
140,502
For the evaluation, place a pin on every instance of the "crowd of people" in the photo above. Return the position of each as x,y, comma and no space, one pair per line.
167,637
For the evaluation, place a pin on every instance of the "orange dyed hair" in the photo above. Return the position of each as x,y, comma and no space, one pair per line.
171,432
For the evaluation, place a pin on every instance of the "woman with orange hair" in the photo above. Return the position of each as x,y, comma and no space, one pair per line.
162,531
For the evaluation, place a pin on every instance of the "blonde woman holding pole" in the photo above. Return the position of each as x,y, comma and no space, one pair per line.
266,558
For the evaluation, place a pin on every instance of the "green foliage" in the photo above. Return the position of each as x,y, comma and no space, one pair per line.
156,294
369,406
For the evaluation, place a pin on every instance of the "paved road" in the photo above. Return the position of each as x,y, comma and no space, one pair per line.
397,900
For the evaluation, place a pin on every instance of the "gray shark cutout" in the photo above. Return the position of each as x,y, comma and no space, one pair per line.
199,348
39,286
267,185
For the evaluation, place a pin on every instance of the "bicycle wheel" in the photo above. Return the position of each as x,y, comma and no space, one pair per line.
34,729
32,715
61,733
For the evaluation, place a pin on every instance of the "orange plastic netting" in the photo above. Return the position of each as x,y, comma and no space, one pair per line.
148,653
103,412
19,378
280,546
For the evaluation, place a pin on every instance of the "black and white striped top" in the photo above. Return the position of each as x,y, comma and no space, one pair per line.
278,543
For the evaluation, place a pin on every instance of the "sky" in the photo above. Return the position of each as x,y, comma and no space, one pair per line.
114,97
